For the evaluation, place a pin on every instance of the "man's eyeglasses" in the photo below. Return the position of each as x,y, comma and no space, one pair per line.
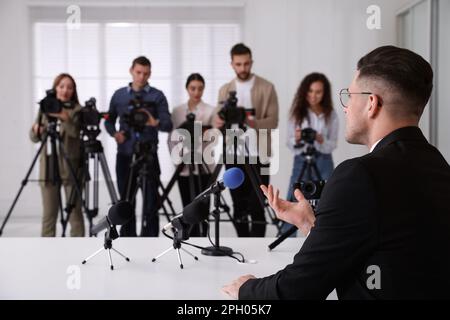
345,95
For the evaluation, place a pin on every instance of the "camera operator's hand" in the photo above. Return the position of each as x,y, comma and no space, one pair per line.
63,115
218,122
298,135
152,122
298,213
37,129
250,119
319,138
120,137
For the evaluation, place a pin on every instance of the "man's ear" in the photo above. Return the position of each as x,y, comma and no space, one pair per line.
375,104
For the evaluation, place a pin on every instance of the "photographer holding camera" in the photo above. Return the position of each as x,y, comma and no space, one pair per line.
61,106
312,123
257,94
136,102
184,116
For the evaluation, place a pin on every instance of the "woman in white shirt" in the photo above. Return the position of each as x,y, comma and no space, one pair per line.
195,106
312,108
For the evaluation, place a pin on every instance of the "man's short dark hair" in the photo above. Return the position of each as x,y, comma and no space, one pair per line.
240,49
401,69
143,61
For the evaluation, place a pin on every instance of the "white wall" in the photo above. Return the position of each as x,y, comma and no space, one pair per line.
443,75
292,38
289,39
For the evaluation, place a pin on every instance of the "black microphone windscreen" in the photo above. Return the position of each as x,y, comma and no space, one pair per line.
120,212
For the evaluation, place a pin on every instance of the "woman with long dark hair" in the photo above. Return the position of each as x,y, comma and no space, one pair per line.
312,109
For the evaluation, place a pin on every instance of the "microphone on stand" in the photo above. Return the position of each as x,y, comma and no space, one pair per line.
118,214
232,179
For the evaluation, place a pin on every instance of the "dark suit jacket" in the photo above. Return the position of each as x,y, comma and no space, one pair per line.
385,215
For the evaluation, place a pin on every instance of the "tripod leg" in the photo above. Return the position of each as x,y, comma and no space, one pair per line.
57,180
110,259
107,176
144,218
170,185
93,255
24,183
87,187
162,253
161,203
96,175
195,257
66,220
179,258
118,252
72,174
316,170
191,182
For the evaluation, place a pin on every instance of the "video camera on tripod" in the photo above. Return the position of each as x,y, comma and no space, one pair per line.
231,113
189,123
51,104
139,113
90,119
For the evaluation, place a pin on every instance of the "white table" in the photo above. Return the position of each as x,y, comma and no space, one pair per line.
50,268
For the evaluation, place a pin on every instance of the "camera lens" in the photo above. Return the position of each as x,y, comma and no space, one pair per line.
309,188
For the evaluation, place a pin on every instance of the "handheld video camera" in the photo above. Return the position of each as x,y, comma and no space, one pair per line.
50,104
312,190
136,118
231,113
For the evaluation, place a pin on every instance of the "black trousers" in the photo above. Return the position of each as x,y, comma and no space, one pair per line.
188,193
150,217
246,204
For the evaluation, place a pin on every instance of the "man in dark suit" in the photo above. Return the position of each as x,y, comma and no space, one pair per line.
382,227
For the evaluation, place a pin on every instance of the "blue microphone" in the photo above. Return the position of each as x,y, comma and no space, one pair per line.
232,179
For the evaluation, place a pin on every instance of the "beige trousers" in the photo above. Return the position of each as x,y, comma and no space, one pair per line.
50,204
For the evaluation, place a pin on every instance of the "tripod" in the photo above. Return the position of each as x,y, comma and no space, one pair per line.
201,169
55,138
180,233
251,172
143,169
309,165
93,149
110,235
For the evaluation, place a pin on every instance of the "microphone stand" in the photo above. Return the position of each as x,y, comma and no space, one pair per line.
217,250
180,233
110,235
